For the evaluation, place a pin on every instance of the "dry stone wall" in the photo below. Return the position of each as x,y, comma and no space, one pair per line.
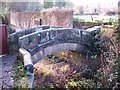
13,38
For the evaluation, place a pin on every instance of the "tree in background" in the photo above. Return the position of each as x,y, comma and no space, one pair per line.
48,3
63,3
34,6
20,6
60,3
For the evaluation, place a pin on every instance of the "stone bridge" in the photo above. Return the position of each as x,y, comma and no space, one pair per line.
36,43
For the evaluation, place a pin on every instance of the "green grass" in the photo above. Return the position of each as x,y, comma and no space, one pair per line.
90,18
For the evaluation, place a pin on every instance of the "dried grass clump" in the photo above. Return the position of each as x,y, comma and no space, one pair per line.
58,17
24,19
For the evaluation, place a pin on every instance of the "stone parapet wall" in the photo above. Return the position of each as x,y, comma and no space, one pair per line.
45,42
13,38
43,36
58,17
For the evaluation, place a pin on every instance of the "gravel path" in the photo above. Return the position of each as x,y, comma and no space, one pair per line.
7,71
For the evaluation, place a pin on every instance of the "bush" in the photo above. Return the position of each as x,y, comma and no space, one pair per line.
83,83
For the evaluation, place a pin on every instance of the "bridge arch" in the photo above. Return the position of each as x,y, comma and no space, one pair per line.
56,48
51,40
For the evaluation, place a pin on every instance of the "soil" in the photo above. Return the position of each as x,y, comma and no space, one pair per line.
8,71
60,73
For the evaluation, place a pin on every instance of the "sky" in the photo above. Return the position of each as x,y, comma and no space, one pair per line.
93,3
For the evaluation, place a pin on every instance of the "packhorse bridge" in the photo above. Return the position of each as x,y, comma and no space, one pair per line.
36,43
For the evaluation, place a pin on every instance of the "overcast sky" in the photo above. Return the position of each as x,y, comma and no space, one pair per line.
93,3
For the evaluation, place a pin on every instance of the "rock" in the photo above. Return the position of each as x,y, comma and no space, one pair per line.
11,82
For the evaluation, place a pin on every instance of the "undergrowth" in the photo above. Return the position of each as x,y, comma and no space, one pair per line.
20,79
107,76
